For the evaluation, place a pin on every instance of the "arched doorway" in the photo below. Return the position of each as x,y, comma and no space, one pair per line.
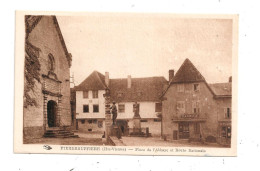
52,113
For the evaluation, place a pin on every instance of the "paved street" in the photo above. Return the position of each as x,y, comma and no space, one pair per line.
84,139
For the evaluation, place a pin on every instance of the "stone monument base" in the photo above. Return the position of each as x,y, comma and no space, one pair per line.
116,131
137,131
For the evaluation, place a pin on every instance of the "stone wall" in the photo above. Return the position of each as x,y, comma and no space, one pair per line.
45,37
208,108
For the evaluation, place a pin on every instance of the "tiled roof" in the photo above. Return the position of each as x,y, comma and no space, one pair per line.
187,73
222,89
95,81
142,89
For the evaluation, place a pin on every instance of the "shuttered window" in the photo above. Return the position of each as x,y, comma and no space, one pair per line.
227,113
181,107
196,107
95,94
121,108
85,94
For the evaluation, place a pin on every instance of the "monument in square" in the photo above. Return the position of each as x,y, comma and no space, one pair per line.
137,129
111,129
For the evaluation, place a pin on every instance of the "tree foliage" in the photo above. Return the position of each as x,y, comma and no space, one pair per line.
31,73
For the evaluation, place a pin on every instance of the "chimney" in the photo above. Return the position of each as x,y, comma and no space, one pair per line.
107,78
171,74
230,79
129,81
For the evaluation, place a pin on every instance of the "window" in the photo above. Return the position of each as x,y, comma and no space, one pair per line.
121,108
157,120
196,107
138,107
180,107
226,132
227,113
143,120
82,121
95,108
196,87
94,121
158,107
90,121
95,94
85,109
85,94
51,62
100,124
180,87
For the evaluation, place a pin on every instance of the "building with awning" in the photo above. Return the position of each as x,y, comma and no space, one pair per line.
194,110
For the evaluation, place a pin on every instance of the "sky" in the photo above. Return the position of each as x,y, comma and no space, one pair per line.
147,45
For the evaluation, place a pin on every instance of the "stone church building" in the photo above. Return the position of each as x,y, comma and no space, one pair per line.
46,77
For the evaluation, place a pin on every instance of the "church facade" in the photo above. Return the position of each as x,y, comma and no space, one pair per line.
46,77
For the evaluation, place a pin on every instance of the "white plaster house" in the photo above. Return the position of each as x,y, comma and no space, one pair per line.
125,92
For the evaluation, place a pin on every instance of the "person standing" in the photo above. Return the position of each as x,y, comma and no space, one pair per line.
114,112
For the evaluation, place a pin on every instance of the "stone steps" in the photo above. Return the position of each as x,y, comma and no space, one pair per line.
59,133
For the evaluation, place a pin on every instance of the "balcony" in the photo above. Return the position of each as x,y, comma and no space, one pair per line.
194,117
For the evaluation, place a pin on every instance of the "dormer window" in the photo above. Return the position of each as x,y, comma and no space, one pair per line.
51,62
196,87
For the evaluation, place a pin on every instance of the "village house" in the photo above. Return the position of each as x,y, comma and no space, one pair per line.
194,110
90,103
46,77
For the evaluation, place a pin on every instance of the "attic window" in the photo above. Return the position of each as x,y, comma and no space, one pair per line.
196,87
85,94
95,94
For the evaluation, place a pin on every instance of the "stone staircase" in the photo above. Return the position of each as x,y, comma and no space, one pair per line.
59,132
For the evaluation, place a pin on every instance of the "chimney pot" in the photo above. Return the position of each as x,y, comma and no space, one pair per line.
129,81
107,78
171,74
230,79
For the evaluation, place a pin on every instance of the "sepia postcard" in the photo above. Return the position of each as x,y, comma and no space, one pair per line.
126,83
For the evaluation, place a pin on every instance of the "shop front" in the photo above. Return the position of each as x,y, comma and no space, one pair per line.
224,132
